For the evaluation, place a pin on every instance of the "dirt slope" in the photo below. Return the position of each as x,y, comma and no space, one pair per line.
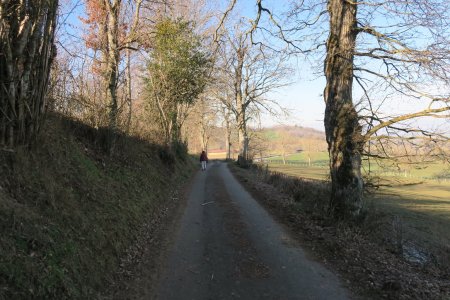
71,215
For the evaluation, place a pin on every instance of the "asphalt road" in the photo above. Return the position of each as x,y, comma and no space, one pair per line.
228,247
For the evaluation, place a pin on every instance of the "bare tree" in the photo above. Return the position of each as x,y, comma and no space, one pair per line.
406,67
27,30
227,123
398,48
254,72
112,29
77,88
205,118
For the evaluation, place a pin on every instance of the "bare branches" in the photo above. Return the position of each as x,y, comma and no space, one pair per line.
280,32
222,20
390,122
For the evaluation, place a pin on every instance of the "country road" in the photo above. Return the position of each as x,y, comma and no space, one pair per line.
228,247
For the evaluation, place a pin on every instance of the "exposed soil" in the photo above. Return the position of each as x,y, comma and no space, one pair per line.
371,270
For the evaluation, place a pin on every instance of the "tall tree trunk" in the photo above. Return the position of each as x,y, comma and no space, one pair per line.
178,120
242,135
205,141
343,132
130,104
27,50
240,105
228,138
112,66
204,137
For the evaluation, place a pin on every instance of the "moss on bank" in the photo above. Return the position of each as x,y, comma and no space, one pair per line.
69,211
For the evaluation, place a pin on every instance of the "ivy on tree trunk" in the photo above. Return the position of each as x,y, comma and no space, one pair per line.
343,132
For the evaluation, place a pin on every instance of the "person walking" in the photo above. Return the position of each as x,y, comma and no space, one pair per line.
203,160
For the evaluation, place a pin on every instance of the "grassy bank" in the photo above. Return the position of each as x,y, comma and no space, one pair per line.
69,211
422,206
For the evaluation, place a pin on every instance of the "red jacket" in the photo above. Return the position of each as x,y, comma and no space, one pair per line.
203,157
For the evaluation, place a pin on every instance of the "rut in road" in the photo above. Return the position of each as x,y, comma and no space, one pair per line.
228,247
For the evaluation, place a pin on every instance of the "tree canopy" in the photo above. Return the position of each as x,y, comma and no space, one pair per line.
178,72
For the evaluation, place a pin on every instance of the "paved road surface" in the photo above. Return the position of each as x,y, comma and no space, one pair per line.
228,247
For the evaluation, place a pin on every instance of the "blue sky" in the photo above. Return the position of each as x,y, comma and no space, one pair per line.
303,98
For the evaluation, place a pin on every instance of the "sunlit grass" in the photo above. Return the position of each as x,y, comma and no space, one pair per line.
424,207
307,157
320,173
422,204
320,159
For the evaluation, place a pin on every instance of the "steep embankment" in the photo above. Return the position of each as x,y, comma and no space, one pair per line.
69,212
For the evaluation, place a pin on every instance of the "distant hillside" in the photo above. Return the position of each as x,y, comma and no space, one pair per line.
266,141
284,140
298,131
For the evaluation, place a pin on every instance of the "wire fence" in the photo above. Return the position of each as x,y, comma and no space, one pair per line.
441,177
296,163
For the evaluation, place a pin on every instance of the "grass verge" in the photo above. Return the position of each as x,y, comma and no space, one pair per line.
69,212
366,255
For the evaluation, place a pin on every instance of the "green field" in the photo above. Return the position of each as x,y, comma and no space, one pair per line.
421,201
424,205
318,163
312,172
305,158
